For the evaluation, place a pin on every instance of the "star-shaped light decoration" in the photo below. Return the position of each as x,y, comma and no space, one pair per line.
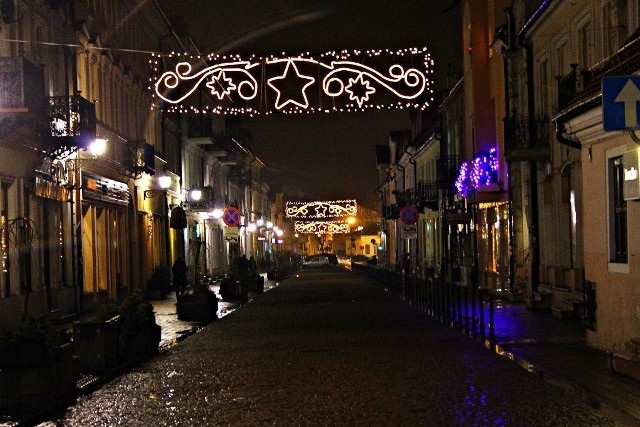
221,85
299,97
321,211
359,90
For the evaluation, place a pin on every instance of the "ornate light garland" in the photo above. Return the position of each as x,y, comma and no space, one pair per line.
322,227
320,209
333,81
482,170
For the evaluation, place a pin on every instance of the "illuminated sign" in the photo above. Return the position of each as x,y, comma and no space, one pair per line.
631,184
320,209
333,81
322,227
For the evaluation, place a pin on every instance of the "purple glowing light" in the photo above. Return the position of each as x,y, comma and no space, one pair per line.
482,170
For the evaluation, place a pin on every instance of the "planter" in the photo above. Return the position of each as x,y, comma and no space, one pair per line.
97,344
257,285
198,307
34,392
143,344
233,289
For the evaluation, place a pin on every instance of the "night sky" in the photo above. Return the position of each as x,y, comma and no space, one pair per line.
324,156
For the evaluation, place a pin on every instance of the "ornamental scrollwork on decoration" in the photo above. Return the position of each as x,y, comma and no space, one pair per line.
322,227
333,81
320,209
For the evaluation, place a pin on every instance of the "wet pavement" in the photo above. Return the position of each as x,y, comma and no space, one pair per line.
332,348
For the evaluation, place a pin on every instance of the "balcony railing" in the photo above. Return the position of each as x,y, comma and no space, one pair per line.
427,195
527,140
390,211
72,121
567,87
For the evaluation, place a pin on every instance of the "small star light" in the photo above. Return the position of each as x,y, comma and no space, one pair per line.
221,85
359,90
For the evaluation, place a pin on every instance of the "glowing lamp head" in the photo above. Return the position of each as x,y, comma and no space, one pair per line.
164,181
217,213
98,146
195,195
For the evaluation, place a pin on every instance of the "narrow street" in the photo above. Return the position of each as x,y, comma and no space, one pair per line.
329,348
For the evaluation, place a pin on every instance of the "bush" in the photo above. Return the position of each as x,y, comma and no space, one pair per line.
31,345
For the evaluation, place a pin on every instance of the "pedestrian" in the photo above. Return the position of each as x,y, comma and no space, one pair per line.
179,271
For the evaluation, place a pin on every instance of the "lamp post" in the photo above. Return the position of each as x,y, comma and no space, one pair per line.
96,148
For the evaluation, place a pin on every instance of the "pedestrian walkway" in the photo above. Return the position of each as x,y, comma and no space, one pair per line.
557,350
329,347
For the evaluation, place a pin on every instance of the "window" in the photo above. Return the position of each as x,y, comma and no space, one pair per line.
584,45
617,211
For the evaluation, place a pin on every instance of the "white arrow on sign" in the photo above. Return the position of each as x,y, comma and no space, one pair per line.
629,95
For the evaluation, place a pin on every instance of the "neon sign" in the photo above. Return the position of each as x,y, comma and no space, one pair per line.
322,227
320,209
333,81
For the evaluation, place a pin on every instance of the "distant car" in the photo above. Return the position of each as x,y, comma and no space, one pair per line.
316,261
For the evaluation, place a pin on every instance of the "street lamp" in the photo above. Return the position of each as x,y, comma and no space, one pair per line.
164,182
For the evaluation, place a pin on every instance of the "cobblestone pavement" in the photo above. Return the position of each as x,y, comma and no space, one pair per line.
329,348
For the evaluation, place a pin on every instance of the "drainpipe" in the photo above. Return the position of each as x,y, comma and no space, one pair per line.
507,105
533,172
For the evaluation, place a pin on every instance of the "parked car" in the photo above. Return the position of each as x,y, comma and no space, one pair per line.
316,261
333,258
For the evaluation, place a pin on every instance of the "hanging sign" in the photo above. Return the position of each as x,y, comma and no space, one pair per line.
231,216
410,231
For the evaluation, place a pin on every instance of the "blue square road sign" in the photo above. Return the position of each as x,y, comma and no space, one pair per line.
620,97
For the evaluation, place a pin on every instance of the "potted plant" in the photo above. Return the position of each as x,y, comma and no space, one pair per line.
159,284
38,373
200,304
121,332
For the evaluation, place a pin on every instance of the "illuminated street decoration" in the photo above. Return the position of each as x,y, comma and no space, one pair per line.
482,170
322,227
333,81
320,209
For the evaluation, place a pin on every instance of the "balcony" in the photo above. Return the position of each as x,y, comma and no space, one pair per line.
427,195
447,171
526,140
72,121
140,158
567,88
403,198
200,199
21,86
22,100
391,212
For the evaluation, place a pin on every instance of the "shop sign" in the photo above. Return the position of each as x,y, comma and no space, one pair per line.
631,183
458,218
99,188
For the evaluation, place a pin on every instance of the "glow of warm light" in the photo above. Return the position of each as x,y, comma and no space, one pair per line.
251,227
351,220
269,224
195,195
217,213
279,233
260,222
98,147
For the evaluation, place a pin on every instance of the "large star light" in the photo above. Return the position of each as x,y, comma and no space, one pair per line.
286,78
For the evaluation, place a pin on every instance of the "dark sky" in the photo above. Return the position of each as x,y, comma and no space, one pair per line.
327,156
